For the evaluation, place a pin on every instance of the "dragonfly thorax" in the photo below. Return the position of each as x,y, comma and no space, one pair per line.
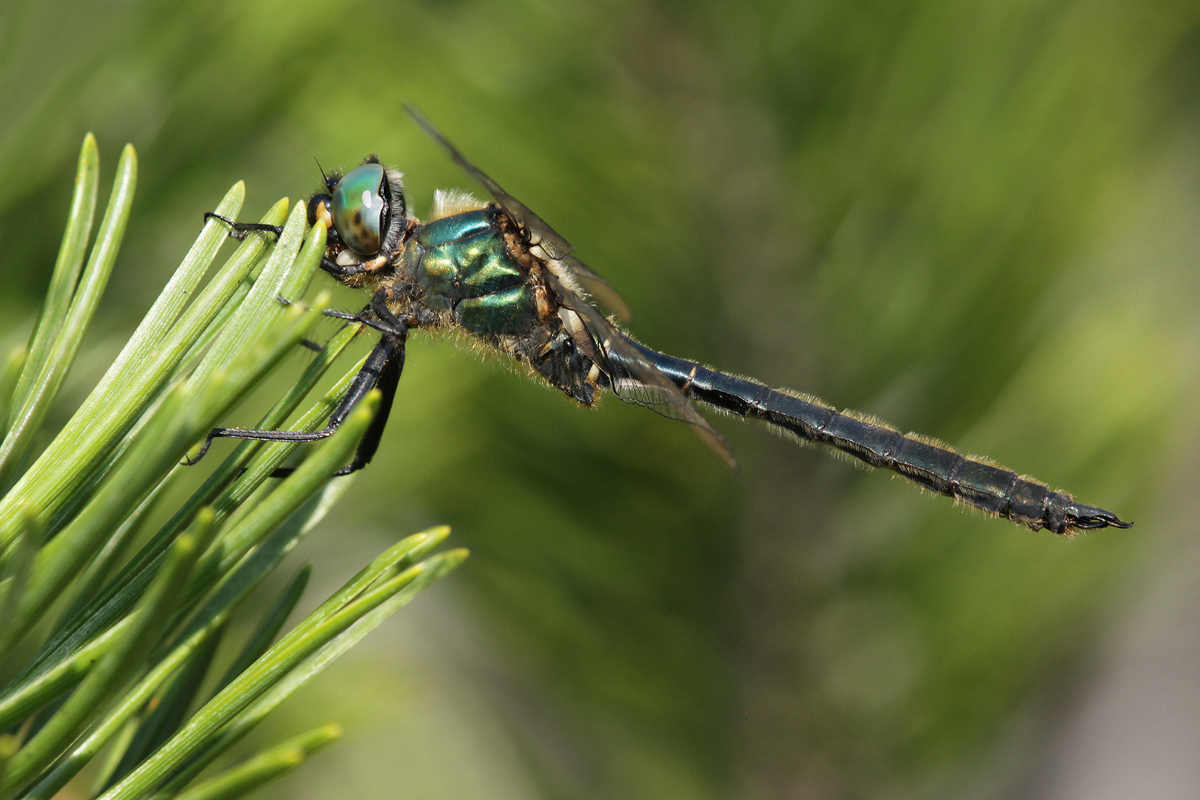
462,264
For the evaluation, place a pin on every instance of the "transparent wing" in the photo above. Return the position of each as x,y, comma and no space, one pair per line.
536,231
601,290
634,379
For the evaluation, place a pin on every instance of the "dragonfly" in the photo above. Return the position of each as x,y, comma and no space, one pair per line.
499,272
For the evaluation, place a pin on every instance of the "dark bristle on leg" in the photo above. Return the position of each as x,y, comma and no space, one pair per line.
382,369
388,326
389,380
238,230
345,315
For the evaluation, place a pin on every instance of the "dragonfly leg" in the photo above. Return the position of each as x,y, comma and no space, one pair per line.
342,271
395,334
389,325
386,378
383,320
238,230
379,307
382,369
389,379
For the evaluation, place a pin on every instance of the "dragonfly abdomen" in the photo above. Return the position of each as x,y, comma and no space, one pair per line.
924,461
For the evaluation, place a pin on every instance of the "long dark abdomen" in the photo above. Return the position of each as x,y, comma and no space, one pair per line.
992,488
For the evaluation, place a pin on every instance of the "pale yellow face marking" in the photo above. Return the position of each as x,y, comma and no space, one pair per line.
348,258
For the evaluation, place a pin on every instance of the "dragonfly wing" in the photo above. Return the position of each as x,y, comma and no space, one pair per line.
634,379
537,231
601,290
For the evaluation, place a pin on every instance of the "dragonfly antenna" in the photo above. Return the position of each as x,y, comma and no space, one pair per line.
324,177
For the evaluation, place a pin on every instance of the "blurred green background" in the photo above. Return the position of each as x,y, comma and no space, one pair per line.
979,220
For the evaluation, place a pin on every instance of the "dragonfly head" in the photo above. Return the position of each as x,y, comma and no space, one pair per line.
365,206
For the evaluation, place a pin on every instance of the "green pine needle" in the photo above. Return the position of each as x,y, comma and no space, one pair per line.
109,627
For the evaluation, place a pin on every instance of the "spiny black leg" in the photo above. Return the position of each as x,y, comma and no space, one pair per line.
333,268
386,359
238,230
379,306
396,329
385,321
389,379
375,266
386,328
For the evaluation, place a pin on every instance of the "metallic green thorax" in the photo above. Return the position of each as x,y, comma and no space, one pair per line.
461,264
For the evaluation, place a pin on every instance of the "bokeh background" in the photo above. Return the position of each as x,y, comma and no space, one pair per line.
978,219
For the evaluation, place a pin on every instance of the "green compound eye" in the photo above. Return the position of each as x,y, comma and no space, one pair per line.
359,208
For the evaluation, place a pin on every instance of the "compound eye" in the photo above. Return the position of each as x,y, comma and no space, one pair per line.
360,208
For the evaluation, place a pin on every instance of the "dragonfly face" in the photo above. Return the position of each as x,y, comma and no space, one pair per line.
500,273
365,212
